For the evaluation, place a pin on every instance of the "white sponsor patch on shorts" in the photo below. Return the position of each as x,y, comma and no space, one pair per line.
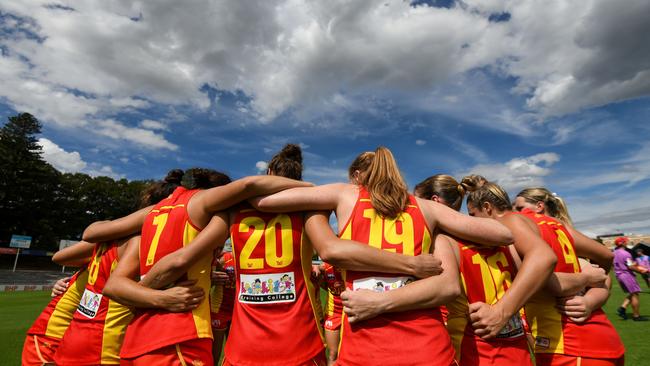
381,284
267,288
89,304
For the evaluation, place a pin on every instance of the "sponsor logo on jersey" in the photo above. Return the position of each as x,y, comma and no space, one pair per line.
381,284
89,304
267,288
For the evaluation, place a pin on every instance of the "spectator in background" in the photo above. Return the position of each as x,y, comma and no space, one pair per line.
624,268
643,261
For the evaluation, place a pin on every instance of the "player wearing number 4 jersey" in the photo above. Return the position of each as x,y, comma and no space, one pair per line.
380,213
567,338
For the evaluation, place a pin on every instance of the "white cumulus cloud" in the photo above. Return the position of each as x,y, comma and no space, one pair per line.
67,162
519,172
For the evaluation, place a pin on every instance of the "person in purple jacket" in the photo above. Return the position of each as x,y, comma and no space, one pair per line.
624,268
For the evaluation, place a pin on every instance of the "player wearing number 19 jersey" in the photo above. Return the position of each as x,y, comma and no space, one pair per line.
559,340
416,337
44,337
157,333
275,321
97,328
486,274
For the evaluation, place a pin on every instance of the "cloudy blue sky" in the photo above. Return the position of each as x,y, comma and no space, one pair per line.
552,93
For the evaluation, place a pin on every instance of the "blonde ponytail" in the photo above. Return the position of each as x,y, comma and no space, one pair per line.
388,191
554,206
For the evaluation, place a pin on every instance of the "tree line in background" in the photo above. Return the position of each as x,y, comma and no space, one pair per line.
39,201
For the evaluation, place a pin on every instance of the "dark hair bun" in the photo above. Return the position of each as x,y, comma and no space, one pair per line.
292,152
174,176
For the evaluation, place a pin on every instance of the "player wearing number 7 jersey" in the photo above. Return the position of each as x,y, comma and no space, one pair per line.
562,338
380,213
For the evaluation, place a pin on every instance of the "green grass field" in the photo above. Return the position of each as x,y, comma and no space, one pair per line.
18,310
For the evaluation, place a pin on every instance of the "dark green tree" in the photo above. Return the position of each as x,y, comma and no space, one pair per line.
26,182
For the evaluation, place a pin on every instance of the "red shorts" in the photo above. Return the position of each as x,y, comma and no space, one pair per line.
221,320
554,359
189,353
318,360
39,349
507,353
332,322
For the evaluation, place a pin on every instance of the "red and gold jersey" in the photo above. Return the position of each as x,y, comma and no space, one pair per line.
415,337
486,274
222,297
166,229
554,332
275,320
55,319
97,329
334,307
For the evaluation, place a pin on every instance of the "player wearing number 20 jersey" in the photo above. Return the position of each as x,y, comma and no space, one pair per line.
274,317
486,274
416,337
166,229
97,328
554,333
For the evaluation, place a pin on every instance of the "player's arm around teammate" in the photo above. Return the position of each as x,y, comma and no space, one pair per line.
200,208
123,288
341,198
425,293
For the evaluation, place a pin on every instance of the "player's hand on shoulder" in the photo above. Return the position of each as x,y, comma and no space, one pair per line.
185,296
487,320
361,304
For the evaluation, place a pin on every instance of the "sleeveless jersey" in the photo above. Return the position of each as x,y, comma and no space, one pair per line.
97,329
416,337
554,332
57,315
222,297
166,229
334,306
486,274
275,320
